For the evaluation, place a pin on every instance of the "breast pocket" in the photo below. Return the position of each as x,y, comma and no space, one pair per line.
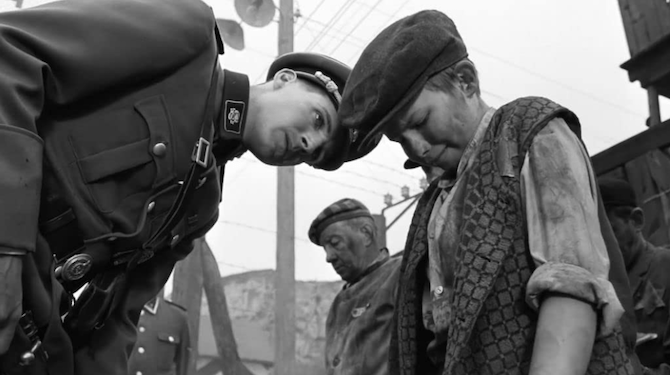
168,344
125,151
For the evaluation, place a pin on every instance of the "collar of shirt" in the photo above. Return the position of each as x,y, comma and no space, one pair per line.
152,306
379,260
470,149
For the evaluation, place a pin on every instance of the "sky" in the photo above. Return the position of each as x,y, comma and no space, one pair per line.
569,51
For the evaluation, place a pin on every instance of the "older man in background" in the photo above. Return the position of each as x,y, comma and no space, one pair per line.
358,328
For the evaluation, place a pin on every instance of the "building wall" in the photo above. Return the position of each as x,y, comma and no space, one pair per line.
250,296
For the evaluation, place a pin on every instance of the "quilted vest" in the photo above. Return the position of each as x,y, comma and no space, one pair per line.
492,328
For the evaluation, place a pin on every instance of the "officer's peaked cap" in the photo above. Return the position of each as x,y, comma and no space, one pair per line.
330,75
394,68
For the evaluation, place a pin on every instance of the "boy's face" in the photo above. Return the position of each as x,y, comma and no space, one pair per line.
434,130
296,123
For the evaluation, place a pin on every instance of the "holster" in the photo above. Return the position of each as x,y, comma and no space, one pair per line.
93,307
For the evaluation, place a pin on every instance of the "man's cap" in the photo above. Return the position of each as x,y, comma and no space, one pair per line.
394,67
330,75
616,193
344,209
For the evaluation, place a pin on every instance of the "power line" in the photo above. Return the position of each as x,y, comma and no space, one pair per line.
259,229
356,25
557,82
330,24
310,16
341,183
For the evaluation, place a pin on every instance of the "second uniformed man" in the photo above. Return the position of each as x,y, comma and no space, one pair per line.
163,344
115,123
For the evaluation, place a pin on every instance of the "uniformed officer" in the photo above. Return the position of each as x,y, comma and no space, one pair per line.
647,267
163,341
358,328
115,123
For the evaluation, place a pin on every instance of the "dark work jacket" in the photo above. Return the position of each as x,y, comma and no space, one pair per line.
650,282
358,328
109,95
163,342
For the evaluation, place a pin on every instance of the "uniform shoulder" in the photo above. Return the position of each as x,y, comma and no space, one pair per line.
174,304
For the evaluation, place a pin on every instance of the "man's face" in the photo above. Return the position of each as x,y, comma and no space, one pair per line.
435,129
345,249
624,231
294,124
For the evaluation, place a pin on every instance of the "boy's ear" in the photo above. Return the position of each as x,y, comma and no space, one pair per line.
468,80
284,77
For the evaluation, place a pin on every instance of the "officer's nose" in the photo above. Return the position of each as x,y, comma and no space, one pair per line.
311,142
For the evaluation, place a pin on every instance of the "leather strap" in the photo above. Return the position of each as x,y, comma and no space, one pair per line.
201,159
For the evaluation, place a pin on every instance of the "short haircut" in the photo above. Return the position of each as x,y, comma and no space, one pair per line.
445,80
358,222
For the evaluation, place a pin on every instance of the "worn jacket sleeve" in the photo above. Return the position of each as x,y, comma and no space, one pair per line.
61,53
564,234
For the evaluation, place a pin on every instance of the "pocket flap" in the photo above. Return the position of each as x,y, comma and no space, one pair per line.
116,160
169,338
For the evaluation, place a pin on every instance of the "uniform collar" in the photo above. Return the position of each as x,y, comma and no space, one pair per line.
234,105
152,306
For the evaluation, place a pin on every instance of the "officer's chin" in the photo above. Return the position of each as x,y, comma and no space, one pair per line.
276,160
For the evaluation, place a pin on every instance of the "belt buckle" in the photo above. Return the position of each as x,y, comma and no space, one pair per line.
201,152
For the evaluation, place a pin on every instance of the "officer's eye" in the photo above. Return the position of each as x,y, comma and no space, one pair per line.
318,120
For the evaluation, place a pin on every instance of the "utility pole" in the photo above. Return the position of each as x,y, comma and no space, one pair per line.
285,274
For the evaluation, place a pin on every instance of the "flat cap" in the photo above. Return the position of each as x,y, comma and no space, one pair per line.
344,209
616,193
330,75
394,67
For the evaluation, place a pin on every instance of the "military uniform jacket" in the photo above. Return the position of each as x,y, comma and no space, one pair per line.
109,97
163,342
358,328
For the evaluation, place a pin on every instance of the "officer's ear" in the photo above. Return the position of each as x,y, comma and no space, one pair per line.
467,77
637,218
284,77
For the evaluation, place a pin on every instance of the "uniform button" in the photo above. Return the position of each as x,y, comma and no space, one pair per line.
140,350
159,149
175,239
151,206
138,373
142,329
170,339
336,360
439,290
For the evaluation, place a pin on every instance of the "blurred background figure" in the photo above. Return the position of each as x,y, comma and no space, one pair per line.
647,267
163,346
